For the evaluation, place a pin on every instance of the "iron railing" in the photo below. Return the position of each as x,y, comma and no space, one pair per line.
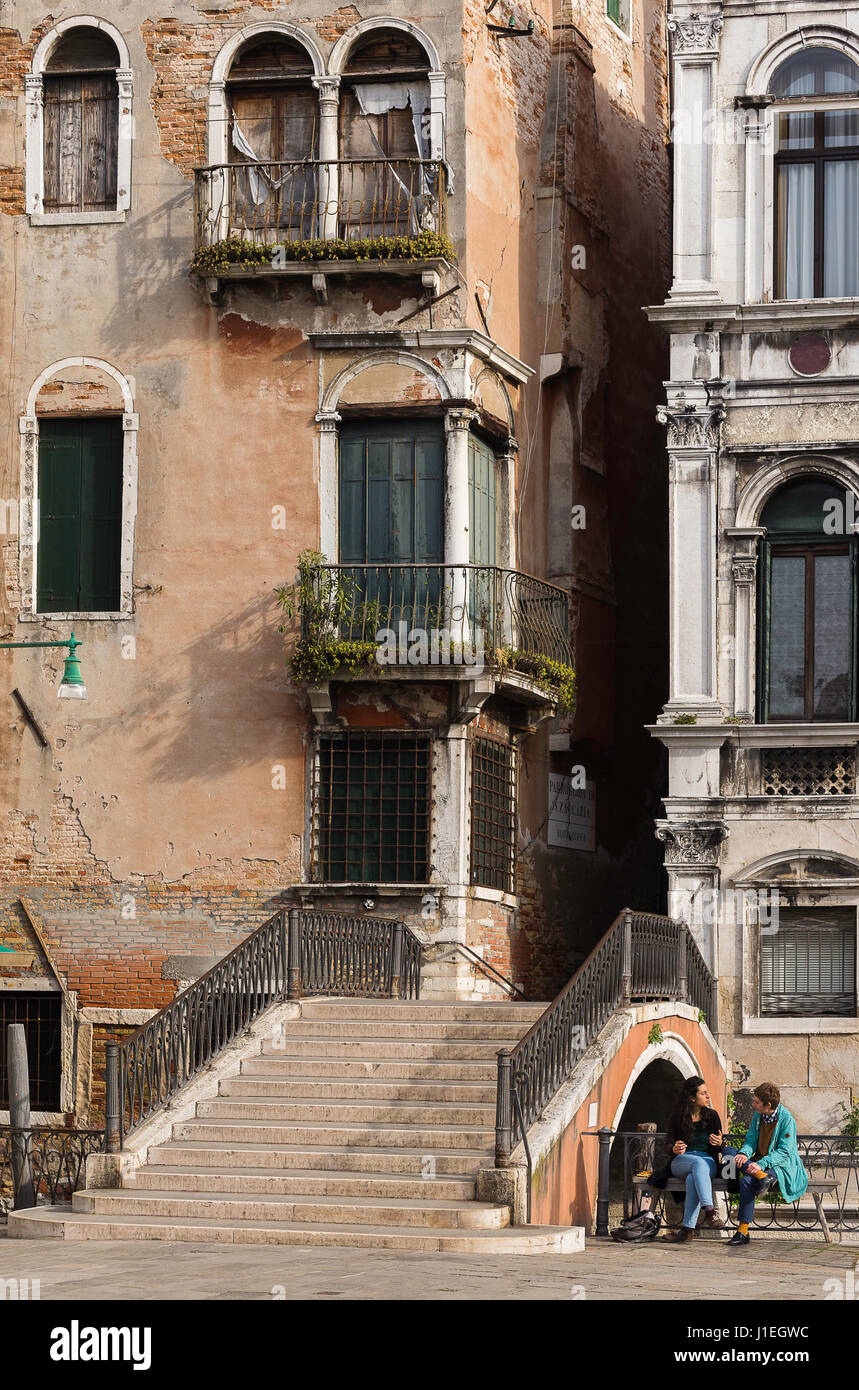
292,954
55,1158
348,199
641,957
832,1156
460,614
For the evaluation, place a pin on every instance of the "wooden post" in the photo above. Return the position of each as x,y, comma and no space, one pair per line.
19,1116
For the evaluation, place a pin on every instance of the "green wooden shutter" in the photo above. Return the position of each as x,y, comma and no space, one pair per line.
80,515
481,502
391,481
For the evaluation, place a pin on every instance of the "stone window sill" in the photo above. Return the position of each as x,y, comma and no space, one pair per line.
74,219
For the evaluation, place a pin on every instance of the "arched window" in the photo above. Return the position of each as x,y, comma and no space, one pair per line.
81,101
387,186
808,605
273,128
817,175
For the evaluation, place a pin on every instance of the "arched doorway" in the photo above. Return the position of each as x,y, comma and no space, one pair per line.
648,1103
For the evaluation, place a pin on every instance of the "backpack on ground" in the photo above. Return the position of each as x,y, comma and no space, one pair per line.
634,1229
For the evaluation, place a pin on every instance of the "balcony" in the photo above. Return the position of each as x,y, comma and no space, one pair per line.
413,621
314,219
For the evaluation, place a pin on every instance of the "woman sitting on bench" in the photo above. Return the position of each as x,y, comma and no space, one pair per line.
769,1157
693,1143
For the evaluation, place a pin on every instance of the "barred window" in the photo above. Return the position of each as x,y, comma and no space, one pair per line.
808,965
40,1015
493,814
372,807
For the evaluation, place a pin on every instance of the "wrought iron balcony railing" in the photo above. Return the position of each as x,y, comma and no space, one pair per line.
349,199
440,615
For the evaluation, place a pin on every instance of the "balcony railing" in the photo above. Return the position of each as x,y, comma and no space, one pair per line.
440,614
350,199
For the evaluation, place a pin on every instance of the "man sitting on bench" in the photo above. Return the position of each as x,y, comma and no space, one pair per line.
768,1157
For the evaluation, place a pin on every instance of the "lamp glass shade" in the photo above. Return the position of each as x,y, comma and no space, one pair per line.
71,692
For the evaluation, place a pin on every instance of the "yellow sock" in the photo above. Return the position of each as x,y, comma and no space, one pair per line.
743,1228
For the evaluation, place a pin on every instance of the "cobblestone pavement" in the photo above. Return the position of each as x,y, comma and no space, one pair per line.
84,1270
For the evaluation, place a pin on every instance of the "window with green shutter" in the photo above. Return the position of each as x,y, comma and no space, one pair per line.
80,515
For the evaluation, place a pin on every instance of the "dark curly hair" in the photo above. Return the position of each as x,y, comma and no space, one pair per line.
681,1114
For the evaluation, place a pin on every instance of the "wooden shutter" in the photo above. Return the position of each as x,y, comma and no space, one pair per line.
481,502
399,468
81,132
80,515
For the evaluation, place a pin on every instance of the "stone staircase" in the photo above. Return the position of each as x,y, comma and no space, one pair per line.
362,1123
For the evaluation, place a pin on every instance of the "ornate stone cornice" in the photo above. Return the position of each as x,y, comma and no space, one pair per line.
695,35
687,844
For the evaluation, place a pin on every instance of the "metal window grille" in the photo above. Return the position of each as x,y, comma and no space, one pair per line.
493,814
40,1015
372,807
808,966
808,771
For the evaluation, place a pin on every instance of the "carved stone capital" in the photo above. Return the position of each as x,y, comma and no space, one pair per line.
328,420
744,571
691,428
328,88
695,35
691,844
460,419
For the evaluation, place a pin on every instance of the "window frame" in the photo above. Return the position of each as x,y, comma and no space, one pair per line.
817,157
493,740
320,854
19,996
34,172
794,1014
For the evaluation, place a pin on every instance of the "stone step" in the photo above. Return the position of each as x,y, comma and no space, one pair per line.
385,1049
399,1112
338,1136
286,1158
328,1068
503,1034
330,1210
420,1010
512,1240
323,1089
300,1182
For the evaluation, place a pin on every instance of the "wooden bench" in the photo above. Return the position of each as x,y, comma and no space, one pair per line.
817,1189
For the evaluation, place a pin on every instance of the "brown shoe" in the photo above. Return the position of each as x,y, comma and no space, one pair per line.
712,1222
680,1236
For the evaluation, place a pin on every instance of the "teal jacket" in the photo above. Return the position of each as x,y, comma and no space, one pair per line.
783,1158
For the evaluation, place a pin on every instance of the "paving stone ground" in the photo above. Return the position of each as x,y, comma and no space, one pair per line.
93,1270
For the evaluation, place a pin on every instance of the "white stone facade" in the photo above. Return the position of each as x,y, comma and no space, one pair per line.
742,421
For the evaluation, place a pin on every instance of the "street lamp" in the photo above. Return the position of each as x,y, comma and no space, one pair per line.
72,684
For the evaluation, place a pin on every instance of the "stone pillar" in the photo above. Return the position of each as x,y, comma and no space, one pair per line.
456,521
695,51
744,568
756,128
328,420
34,139
692,853
693,443
329,170
125,138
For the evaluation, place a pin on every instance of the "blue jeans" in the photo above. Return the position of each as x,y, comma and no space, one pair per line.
749,1188
699,1170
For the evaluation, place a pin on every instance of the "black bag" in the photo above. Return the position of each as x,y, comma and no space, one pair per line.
634,1229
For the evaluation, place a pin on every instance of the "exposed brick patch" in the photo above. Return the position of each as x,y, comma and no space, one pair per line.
16,58
333,26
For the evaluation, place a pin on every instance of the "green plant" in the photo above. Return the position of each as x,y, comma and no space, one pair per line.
655,1035
702,1017
239,251
323,597
736,719
685,719
555,677
850,1127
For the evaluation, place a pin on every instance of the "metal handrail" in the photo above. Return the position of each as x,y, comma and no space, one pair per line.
292,954
478,610
641,956
278,201
478,960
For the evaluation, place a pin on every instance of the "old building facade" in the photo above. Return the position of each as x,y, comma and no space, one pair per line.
760,826
283,279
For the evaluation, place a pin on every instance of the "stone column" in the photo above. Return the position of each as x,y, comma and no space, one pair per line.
756,128
692,853
329,170
744,577
34,138
328,420
693,443
125,139
695,51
